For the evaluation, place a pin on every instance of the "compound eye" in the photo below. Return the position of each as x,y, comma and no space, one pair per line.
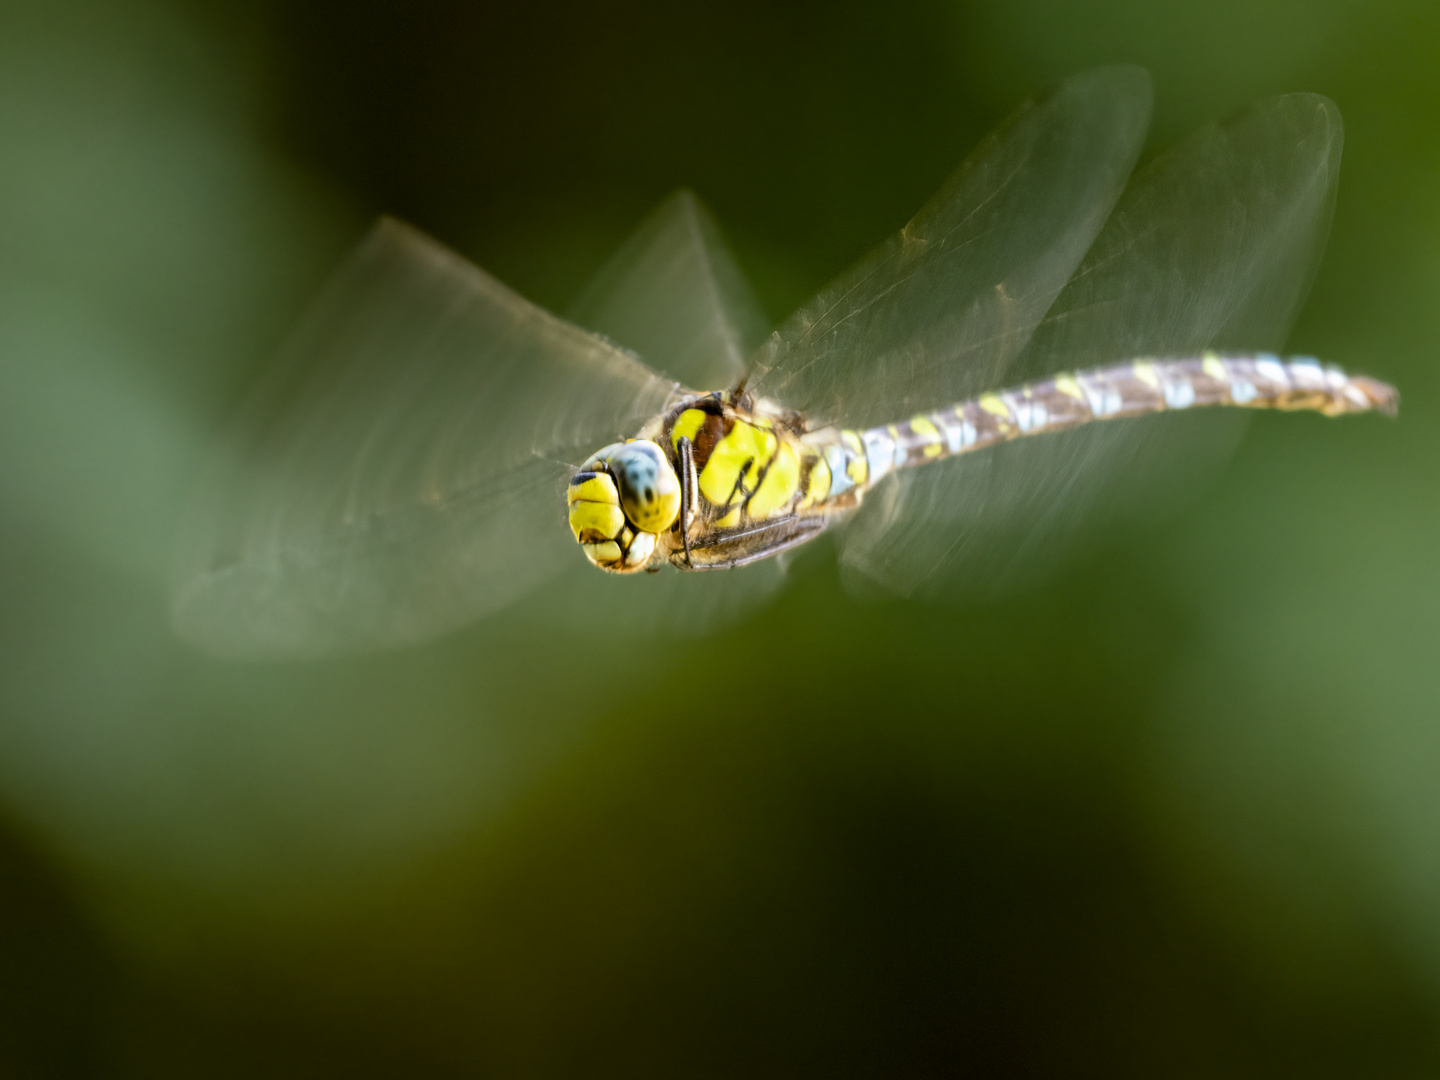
649,488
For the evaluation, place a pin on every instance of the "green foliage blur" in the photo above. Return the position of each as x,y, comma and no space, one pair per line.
1175,814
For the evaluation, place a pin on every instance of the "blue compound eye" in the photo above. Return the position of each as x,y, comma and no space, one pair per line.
649,488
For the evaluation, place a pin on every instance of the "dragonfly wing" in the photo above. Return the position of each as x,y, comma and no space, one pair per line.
402,470
940,311
675,295
1213,245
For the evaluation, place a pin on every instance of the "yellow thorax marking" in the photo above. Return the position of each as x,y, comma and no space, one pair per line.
778,487
686,426
743,452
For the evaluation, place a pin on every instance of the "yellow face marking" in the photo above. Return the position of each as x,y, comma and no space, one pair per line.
1067,385
594,521
1212,366
603,555
687,424
600,489
779,486
640,550
741,453
818,485
1146,374
928,434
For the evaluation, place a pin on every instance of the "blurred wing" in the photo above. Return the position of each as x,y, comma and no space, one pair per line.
1213,245
403,470
674,294
940,311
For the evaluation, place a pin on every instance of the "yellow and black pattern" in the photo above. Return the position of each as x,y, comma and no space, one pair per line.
723,479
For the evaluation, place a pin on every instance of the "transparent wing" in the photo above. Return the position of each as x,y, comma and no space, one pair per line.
941,310
402,471
675,295
1213,245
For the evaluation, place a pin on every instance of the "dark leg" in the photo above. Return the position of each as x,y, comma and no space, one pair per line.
687,495
757,542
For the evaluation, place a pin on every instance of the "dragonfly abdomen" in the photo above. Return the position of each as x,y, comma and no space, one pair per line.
1137,388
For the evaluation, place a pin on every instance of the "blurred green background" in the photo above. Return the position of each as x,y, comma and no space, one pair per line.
1174,814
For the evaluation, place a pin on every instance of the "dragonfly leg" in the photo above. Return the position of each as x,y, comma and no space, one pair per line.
687,495
747,545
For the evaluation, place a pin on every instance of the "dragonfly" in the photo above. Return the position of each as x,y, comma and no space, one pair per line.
430,447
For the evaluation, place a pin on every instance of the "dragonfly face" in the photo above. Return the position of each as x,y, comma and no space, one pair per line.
620,502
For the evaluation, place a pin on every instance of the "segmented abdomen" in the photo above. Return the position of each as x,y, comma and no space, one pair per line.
1130,389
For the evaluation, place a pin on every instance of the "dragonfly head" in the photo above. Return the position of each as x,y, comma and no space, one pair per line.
620,501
